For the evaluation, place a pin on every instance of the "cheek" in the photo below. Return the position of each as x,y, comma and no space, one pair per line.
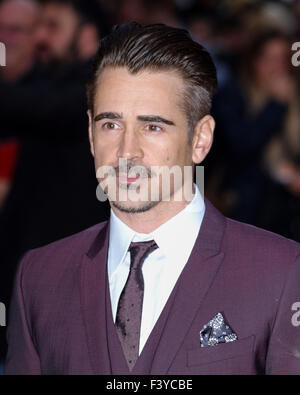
106,151
103,154
183,154
175,155
169,151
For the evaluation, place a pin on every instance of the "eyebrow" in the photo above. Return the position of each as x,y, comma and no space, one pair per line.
143,118
154,118
108,115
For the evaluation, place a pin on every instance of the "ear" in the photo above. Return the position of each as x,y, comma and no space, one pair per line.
91,133
203,138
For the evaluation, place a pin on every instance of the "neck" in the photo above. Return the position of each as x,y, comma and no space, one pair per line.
148,221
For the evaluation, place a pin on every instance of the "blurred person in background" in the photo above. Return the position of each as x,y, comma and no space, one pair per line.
18,21
69,31
130,10
233,37
296,10
54,192
252,110
203,28
281,211
147,11
158,11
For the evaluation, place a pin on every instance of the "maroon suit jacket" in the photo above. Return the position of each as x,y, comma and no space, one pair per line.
57,322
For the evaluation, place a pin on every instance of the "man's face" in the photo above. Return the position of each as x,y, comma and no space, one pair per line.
56,34
138,118
17,25
273,61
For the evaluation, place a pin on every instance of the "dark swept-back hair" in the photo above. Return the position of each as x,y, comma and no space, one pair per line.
158,47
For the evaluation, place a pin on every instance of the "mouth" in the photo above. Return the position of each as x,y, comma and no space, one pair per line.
124,179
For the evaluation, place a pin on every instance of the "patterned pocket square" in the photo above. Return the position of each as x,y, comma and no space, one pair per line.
216,331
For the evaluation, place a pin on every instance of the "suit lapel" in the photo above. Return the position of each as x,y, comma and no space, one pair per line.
193,284
93,300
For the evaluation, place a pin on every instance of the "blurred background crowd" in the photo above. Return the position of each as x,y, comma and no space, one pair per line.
47,181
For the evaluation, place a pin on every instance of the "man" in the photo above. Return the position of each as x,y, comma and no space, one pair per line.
18,22
167,285
70,30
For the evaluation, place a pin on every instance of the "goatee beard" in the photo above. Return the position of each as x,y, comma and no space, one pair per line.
135,210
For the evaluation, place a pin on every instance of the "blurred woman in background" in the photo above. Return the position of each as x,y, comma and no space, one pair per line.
252,113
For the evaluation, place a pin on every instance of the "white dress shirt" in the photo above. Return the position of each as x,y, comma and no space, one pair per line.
161,269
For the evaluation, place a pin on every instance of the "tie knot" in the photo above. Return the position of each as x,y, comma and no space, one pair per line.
139,252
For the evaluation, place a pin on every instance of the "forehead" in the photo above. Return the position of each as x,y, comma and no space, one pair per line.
154,91
17,12
276,46
59,12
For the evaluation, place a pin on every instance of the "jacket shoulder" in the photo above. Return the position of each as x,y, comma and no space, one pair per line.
260,244
62,252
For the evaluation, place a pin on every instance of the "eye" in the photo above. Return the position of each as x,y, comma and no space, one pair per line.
153,128
110,126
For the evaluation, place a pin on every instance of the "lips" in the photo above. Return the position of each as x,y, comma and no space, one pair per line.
123,178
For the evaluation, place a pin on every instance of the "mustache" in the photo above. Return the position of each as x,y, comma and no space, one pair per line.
131,168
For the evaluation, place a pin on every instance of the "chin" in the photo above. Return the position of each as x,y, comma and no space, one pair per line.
134,207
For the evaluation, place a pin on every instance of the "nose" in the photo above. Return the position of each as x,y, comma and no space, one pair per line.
41,34
129,147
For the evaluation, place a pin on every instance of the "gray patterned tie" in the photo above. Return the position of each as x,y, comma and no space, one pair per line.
129,311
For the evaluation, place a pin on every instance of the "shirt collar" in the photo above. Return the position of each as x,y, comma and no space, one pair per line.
120,237
175,238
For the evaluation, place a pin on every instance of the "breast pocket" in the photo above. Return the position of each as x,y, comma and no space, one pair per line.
223,356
